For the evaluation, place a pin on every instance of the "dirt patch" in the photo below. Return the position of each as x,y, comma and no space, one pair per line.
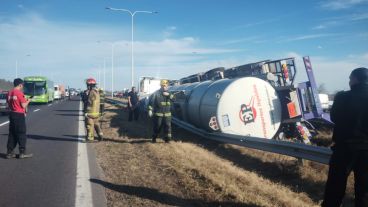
192,171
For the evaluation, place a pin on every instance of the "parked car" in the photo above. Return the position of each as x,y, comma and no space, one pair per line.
4,107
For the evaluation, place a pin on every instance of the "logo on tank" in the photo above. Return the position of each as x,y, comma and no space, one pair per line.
248,112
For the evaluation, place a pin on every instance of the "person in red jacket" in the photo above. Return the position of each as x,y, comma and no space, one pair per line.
17,118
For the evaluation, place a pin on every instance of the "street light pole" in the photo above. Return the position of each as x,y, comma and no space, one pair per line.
132,72
132,14
112,70
104,74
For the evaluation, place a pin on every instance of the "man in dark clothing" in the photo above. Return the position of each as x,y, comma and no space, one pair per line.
350,151
159,107
17,118
85,100
133,105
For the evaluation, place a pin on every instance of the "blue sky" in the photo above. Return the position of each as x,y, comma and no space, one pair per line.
68,41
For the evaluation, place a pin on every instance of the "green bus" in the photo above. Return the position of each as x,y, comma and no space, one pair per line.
40,88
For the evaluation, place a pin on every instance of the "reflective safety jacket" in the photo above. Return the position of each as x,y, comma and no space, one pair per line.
160,104
93,104
102,97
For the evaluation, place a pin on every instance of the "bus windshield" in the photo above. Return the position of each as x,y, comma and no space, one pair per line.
35,88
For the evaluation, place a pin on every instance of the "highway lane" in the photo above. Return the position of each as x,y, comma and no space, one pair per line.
31,108
49,178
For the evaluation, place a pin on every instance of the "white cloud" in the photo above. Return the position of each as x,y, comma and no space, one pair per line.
321,26
69,51
358,17
307,37
252,39
340,20
341,4
334,73
169,31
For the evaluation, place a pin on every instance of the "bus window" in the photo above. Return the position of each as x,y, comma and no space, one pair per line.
35,88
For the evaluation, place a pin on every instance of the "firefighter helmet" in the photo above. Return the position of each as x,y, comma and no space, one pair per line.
164,83
91,81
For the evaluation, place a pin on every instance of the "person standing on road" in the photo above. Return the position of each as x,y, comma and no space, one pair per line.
85,99
350,150
17,118
159,107
92,113
133,105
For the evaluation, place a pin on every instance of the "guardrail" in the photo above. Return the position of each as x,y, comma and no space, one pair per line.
297,150
116,102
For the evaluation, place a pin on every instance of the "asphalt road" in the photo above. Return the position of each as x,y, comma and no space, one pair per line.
50,177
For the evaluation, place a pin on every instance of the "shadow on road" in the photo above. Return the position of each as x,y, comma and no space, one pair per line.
164,198
3,156
67,114
67,110
61,139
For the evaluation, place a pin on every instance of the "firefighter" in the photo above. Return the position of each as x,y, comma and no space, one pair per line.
102,100
92,113
159,108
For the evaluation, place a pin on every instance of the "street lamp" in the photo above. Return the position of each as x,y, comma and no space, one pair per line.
132,14
112,66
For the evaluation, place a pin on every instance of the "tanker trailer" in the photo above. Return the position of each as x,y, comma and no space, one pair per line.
246,106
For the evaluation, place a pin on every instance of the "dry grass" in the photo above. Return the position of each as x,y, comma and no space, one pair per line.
193,171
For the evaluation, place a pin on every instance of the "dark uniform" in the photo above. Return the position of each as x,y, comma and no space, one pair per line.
85,100
350,152
102,101
160,105
133,109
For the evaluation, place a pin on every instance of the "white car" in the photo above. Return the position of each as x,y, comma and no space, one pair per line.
4,108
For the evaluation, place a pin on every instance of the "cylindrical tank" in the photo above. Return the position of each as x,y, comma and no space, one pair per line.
246,106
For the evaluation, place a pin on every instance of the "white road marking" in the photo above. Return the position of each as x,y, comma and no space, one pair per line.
49,105
5,123
36,110
83,186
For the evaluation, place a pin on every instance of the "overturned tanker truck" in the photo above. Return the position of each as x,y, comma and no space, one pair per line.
256,100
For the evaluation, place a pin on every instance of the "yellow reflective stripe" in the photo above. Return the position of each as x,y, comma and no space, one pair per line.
165,103
150,107
93,114
171,96
163,114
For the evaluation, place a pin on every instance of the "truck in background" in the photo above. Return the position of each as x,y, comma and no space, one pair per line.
148,85
325,102
57,92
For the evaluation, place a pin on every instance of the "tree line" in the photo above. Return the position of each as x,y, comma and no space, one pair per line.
5,85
